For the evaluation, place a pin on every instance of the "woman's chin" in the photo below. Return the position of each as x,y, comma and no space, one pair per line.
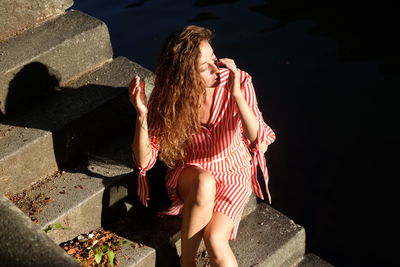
215,83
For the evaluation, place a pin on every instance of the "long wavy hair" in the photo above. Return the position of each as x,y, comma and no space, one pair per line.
175,100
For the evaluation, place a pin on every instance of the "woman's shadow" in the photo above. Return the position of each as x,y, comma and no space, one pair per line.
29,87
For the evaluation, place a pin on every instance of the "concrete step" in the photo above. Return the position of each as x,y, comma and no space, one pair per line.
268,238
37,143
66,47
132,256
162,233
312,260
23,244
19,15
84,197
159,233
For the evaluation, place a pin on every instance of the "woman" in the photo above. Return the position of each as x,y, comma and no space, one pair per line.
201,121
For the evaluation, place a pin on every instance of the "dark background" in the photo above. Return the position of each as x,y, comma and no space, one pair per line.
326,74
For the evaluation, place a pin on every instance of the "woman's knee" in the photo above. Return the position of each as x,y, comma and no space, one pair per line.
218,230
205,189
215,239
197,185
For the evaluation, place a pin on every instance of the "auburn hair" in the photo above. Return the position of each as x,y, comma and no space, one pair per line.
175,100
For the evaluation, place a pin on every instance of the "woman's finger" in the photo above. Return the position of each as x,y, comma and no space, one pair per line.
227,60
137,82
136,85
131,91
134,90
141,85
132,82
230,64
231,67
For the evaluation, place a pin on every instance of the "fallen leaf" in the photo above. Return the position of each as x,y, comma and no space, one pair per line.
71,251
48,200
111,256
98,257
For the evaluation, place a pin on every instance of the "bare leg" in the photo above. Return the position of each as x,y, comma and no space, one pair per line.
196,187
216,237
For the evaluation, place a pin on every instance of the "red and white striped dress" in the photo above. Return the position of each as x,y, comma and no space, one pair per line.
221,149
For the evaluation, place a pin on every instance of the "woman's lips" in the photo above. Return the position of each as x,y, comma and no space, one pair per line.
216,80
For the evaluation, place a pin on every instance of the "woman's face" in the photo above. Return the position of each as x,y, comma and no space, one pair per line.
207,68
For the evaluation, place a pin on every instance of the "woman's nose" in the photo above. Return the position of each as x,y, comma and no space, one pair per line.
214,68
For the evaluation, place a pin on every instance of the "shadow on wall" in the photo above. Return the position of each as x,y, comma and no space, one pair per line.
29,87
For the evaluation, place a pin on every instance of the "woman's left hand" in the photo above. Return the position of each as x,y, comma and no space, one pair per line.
234,76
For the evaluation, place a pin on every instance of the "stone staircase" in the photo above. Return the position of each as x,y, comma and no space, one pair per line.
65,155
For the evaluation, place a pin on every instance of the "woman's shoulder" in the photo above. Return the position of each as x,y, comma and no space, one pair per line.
244,76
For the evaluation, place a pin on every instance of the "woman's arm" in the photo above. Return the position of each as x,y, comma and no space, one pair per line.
250,122
144,146
141,144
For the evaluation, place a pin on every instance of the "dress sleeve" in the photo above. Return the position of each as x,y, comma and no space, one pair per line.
142,187
264,132
264,135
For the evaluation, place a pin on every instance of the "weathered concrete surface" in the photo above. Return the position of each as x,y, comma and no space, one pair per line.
86,110
90,194
67,46
19,15
268,238
22,157
23,244
142,225
312,260
250,206
131,256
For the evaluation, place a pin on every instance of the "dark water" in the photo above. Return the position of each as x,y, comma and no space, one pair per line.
326,78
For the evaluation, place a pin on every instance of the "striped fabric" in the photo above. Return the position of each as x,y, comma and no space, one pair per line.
221,149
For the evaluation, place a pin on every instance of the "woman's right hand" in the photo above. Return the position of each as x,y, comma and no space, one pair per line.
137,96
